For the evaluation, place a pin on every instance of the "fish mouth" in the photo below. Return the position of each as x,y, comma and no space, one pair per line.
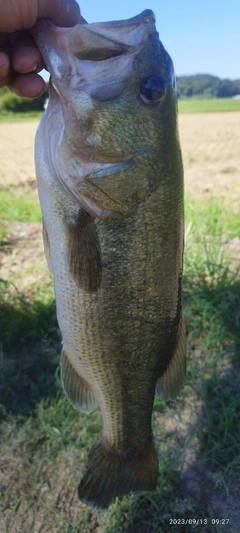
93,41
86,57
91,64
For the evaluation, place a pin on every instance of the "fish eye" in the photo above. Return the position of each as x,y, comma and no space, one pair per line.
152,89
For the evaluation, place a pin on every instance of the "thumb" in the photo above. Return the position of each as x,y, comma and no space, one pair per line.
23,14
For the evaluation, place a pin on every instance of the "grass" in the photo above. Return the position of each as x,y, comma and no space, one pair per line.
11,116
44,442
209,217
211,105
19,207
188,105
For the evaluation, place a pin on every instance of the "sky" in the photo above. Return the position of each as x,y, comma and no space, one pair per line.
202,37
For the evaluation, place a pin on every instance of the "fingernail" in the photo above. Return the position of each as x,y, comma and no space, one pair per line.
34,67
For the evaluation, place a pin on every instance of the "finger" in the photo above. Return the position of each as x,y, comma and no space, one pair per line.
60,12
4,68
27,59
25,55
27,85
23,15
5,63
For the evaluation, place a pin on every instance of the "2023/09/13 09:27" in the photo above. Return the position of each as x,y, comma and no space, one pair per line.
198,521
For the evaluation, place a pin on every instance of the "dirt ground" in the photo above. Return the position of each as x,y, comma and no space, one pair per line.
17,154
211,153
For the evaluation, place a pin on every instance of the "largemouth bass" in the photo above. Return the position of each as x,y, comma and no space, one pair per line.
110,181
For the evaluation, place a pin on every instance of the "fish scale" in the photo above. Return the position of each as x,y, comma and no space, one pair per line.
110,182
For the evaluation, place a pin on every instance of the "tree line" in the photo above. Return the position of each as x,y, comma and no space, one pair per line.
207,86
197,86
11,103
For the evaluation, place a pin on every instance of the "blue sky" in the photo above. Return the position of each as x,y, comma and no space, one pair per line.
201,36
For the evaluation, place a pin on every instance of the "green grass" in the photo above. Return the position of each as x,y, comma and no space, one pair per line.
24,321
209,218
212,309
11,116
19,207
211,105
50,440
219,435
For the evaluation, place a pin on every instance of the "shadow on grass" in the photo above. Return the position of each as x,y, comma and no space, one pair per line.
213,320
30,346
209,479
219,432
202,490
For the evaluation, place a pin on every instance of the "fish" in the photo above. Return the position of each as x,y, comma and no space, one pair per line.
110,182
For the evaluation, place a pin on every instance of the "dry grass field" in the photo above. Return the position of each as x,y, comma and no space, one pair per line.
211,153
210,145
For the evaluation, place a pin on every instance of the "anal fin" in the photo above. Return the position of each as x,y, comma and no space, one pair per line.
76,388
170,383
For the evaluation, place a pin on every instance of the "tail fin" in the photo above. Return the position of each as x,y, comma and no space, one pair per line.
111,473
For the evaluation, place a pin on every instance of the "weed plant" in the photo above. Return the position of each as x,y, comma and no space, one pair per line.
19,207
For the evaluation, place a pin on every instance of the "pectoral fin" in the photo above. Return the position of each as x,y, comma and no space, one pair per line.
170,383
84,252
77,390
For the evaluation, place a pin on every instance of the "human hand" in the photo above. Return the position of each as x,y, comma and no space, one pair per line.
20,60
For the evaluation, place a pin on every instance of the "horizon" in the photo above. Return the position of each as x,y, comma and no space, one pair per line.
46,75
